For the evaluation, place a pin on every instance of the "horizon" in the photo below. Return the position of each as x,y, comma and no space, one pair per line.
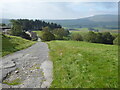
58,19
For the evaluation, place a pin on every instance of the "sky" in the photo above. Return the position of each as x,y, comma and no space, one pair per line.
35,9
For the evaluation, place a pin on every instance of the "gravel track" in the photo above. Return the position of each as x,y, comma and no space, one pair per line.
28,67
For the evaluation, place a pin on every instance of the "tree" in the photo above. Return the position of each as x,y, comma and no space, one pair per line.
60,33
46,28
16,28
76,37
107,38
91,37
36,24
47,36
99,38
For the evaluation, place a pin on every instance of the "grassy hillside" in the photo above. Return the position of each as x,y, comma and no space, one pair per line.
11,44
84,65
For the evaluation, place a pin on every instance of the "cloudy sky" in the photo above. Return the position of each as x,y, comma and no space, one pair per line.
34,9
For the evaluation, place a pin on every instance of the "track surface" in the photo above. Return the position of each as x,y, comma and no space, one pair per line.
29,67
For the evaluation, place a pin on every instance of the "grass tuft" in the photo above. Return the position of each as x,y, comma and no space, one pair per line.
14,82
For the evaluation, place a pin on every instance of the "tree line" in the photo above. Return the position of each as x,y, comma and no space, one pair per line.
51,31
92,37
22,25
27,24
49,34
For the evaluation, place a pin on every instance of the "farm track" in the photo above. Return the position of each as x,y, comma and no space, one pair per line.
27,68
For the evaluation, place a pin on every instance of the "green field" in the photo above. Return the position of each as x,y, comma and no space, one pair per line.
12,44
80,32
100,30
84,65
39,33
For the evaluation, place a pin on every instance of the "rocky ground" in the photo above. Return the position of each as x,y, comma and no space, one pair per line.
28,68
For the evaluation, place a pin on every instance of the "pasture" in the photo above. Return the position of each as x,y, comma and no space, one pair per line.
84,65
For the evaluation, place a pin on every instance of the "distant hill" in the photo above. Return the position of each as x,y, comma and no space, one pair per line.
103,18
105,21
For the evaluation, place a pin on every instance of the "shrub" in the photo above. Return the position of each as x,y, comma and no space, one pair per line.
76,37
47,36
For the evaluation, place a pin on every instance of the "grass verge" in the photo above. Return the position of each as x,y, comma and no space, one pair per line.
12,44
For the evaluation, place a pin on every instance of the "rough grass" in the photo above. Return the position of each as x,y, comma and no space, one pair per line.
84,65
12,44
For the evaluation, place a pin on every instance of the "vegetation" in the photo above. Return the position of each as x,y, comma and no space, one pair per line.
84,65
2,24
12,44
20,26
16,28
90,37
35,24
76,37
47,36
14,82
39,33
107,38
116,41
96,37
60,33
